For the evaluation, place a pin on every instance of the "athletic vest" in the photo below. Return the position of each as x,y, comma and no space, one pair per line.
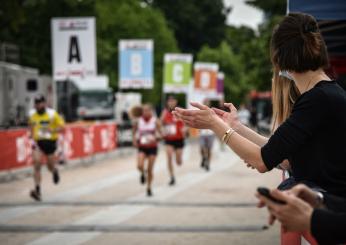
172,128
147,132
44,125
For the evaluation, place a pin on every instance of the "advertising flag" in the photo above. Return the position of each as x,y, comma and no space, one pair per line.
205,77
136,64
177,73
73,47
220,85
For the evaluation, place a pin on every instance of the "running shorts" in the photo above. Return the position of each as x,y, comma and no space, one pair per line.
177,144
48,147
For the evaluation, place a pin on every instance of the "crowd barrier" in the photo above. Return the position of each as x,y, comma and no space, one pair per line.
77,141
295,238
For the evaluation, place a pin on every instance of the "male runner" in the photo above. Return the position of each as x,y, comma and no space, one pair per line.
45,124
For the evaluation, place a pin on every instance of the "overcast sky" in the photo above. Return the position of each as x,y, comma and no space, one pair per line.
243,14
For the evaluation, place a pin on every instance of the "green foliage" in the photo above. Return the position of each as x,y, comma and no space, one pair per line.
194,22
130,20
270,7
194,26
29,28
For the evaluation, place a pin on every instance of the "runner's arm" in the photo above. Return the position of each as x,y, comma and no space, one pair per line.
31,128
59,123
159,128
134,132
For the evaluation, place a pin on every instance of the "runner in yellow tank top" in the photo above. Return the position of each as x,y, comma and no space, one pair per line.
45,124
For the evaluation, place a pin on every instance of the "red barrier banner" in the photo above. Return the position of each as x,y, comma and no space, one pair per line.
104,135
16,149
76,142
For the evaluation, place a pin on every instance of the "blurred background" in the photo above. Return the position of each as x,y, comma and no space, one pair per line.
95,60
234,34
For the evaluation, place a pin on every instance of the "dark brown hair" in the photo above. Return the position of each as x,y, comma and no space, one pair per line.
297,44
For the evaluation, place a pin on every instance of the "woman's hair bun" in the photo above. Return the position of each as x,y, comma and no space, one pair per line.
297,44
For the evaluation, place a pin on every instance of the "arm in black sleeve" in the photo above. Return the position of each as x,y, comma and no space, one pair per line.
308,115
334,203
328,227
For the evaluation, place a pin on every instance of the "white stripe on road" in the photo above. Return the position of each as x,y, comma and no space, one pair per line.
12,213
119,214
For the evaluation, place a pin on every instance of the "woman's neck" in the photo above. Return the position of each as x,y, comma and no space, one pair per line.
307,80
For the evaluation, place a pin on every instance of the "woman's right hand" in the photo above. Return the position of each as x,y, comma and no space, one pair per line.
231,118
305,193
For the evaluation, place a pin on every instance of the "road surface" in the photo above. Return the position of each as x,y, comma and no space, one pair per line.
103,203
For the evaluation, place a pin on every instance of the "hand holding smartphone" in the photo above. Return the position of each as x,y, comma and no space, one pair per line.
266,193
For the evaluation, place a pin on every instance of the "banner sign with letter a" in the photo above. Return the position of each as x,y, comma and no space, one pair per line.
177,73
73,47
205,77
136,64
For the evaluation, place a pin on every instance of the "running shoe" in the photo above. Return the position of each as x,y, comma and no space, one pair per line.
149,193
56,177
203,163
172,182
35,195
142,178
206,165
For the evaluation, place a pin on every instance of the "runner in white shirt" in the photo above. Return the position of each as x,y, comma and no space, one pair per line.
146,133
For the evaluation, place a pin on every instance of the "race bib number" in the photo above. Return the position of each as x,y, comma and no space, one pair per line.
146,139
170,129
44,133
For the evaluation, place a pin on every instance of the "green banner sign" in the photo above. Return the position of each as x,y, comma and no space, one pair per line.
177,73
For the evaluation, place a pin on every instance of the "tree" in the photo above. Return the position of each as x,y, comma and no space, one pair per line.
131,20
270,7
115,19
194,22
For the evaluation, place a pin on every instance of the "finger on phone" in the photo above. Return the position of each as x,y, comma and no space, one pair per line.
218,111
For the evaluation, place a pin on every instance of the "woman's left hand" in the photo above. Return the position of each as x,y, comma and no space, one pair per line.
204,118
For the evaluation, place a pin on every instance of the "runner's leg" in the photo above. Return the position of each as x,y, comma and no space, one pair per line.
179,156
140,166
151,162
52,168
36,193
170,151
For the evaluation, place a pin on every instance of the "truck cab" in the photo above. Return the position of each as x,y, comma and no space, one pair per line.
85,99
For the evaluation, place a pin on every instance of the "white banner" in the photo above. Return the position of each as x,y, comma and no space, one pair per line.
73,47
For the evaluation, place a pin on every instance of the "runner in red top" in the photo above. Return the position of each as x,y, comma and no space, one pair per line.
145,137
174,134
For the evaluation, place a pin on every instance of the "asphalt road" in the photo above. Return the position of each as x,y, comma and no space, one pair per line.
103,203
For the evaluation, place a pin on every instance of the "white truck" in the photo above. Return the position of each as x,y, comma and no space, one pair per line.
18,87
87,98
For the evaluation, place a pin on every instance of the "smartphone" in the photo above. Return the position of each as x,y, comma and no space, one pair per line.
266,192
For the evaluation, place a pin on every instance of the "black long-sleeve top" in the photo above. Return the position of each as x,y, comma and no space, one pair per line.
313,139
329,226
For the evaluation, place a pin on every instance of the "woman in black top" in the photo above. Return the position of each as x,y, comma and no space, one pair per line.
314,135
